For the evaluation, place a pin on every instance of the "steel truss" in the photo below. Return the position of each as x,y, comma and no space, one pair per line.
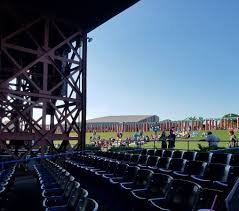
43,84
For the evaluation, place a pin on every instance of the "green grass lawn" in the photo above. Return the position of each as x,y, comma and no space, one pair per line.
180,143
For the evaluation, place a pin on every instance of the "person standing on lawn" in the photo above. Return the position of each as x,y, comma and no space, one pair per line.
233,139
171,139
163,139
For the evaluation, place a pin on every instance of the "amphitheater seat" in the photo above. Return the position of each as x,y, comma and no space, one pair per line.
191,168
162,163
231,201
128,176
178,154
233,174
175,164
182,195
210,199
213,172
114,156
150,152
127,157
144,152
48,200
134,159
59,182
151,161
90,162
89,171
120,156
87,205
142,159
222,158
63,190
108,170
204,156
141,181
159,152
168,153
70,203
102,167
158,186
189,155
234,160
118,172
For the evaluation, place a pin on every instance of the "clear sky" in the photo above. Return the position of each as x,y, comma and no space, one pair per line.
173,58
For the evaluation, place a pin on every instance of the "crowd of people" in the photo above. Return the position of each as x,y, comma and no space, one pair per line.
166,139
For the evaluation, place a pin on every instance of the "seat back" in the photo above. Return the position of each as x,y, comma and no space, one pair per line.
87,204
168,153
120,169
159,184
143,177
115,155
216,172
64,179
134,158
120,156
127,157
189,155
144,152
183,195
193,167
159,152
77,194
142,159
100,163
105,165
109,154
150,152
176,164
92,161
163,162
233,174
221,158
231,201
178,154
234,160
152,161
208,197
70,185
112,167
203,156
130,173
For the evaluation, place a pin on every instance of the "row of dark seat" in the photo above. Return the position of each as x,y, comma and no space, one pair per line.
7,178
208,175
138,185
60,190
223,158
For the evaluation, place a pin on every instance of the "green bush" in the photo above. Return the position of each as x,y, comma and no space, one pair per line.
205,149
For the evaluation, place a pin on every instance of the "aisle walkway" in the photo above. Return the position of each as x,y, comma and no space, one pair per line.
26,194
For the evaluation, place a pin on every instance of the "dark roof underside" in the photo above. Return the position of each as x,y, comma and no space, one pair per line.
88,14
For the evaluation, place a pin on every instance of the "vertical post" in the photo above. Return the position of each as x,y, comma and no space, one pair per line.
84,81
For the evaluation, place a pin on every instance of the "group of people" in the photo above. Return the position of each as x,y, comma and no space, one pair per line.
168,141
213,140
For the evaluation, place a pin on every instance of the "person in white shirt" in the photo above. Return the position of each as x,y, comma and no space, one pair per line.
212,140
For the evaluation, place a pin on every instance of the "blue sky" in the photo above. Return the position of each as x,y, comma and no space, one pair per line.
166,57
